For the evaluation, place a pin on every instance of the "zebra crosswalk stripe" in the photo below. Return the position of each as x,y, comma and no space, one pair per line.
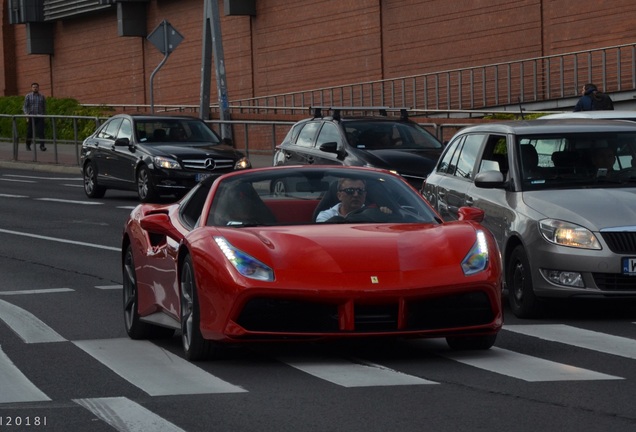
153,369
582,338
15,386
126,415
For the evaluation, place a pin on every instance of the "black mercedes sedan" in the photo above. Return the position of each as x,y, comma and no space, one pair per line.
154,155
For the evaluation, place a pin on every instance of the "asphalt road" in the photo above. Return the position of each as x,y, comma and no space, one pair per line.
65,359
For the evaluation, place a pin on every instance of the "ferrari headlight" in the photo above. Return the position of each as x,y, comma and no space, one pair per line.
245,264
242,163
568,234
477,258
164,162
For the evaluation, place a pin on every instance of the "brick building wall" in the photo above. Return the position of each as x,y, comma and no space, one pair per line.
293,45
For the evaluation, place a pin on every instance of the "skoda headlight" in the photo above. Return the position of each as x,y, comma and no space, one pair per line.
477,258
164,162
245,264
242,163
568,234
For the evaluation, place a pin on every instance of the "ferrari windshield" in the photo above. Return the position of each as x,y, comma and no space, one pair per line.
174,131
577,160
303,195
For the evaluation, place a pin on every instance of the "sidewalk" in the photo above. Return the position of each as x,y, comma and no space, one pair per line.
65,158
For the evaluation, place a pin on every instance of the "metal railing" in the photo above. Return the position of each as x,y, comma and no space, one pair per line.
548,78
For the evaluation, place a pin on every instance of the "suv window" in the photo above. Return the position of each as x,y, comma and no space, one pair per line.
307,134
328,133
110,130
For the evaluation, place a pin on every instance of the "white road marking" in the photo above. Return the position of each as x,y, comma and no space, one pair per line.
35,291
109,287
353,374
523,366
15,386
127,207
595,341
18,181
26,325
44,178
60,240
65,201
126,415
73,185
155,370
12,196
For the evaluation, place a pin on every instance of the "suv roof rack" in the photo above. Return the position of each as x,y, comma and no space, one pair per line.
383,110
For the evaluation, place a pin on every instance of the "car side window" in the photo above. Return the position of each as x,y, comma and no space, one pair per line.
110,130
328,133
125,131
495,155
446,162
307,135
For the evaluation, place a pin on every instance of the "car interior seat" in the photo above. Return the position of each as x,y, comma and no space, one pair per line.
159,135
328,200
241,204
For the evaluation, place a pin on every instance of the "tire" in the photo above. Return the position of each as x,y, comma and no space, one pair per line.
91,188
145,187
521,297
279,188
459,343
195,347
134,327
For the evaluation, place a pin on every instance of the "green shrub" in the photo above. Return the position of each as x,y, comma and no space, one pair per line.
64,128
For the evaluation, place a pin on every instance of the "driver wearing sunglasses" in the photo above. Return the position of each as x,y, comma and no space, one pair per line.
352,194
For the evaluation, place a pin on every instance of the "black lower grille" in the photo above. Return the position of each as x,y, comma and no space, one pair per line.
279,315
614,282
452,311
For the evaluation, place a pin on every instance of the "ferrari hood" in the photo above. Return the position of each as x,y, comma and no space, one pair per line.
356,248
592,208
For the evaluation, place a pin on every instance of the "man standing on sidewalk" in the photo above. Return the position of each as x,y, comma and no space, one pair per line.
35,104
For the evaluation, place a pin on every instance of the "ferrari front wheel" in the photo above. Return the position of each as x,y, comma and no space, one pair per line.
195,347
135,328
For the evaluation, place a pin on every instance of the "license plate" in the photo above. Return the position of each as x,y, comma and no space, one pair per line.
202,176
629,266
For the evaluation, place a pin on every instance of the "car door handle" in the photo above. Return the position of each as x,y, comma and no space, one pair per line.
310,160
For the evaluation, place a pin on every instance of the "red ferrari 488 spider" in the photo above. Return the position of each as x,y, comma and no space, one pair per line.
308,253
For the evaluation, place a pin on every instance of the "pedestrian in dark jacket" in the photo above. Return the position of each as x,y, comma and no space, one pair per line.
585,102
35,104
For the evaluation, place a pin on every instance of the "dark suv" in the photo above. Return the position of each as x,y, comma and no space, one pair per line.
154,155
380,141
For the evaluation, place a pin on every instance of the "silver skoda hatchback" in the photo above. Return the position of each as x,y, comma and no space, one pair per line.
560,198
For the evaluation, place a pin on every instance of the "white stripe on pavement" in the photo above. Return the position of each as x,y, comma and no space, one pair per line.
30,328
523,366
35,291
65,201
126,415
595,341
109,287
353,374
155,370
60,240
15,386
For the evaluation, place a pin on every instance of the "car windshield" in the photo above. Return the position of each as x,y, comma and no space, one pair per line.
297,196
174,131
389,135
577,160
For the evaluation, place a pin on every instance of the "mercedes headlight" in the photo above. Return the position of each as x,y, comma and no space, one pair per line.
568,234
166,163
242,163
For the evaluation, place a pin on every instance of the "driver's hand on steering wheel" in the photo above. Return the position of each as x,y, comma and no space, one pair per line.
386,210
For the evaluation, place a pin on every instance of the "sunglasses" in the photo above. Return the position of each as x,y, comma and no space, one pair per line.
351,191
